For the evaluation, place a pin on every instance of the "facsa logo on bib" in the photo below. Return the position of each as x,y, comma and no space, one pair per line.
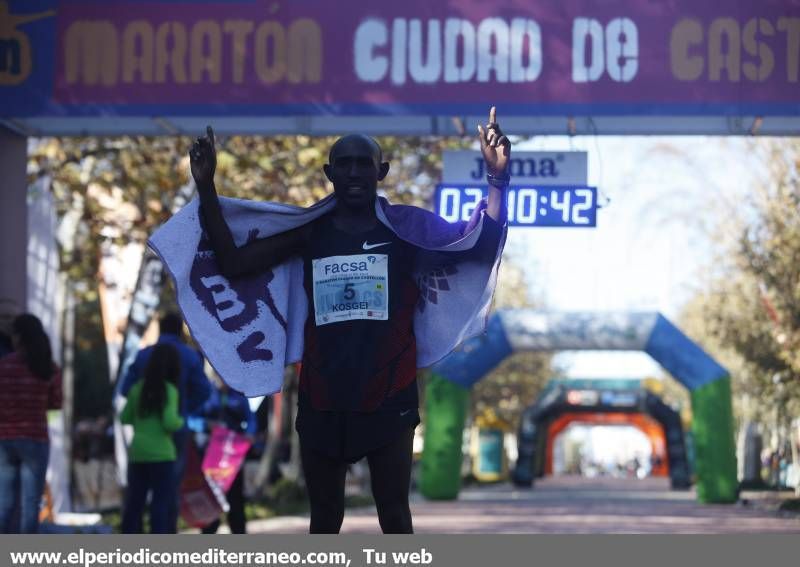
345,267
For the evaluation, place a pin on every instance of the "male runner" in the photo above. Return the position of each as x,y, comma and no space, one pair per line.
358,391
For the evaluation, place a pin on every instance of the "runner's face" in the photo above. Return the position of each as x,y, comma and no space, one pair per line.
355,170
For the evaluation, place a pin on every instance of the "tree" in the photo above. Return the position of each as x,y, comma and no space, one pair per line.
770,250
117,190
517,381
730,323
749,316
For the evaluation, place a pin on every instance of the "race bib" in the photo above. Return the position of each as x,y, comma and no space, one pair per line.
351,287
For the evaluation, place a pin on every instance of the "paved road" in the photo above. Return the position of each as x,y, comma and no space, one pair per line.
567,505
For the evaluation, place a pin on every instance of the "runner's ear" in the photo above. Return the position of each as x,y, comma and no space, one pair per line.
327,169
383,171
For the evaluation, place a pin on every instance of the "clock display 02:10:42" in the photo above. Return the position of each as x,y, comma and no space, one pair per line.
527,206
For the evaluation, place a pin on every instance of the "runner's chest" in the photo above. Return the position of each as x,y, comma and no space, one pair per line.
355,276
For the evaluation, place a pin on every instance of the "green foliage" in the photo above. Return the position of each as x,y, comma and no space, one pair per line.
118,190
93,390
749,315
770,251
731,323
517,381
287,496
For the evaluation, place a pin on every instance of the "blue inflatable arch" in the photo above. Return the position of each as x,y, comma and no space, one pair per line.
520,330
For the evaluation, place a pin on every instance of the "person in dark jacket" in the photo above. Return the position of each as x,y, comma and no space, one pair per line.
231,409
193,391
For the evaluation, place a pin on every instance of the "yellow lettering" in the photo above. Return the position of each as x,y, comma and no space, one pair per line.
15,59
97,53
239,30
686,34
305,52
138,32
270,69
724,49
15,47
206,54
91,53
791,26
173,56
757,48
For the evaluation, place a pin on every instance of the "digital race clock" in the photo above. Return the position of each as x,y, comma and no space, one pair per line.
527,206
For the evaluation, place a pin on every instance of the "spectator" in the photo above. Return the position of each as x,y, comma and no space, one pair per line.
6,346
193,390
8,310
230,409
152,410
31,384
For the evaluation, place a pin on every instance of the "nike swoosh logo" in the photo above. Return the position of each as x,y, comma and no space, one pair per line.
368,246
402,413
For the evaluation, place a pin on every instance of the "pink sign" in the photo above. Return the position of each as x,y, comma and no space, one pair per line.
224,456
200,502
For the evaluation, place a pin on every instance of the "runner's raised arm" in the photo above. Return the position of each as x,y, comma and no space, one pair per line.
496,150
235,261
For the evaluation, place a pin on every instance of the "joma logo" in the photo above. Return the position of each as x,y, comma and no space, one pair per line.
522,167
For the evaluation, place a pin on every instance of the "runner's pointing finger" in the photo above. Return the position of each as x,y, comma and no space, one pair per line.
482,136
210,133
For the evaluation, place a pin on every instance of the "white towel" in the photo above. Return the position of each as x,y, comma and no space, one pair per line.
250,328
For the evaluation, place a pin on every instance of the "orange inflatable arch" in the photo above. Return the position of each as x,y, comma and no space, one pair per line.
646,424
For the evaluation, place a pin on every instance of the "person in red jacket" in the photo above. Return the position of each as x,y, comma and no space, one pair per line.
31,385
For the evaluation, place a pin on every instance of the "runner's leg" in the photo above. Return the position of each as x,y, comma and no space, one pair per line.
236,517
390,475
325,483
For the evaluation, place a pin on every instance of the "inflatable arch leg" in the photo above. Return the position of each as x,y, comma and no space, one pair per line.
446,406
712,430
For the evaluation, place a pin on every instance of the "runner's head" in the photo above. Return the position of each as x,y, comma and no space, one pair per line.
355,167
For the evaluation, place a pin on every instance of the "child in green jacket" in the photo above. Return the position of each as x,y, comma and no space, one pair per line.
153,411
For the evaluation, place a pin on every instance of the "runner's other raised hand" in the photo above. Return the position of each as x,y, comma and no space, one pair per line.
203,159
495,146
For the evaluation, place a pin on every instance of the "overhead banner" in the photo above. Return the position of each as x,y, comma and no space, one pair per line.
416,57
